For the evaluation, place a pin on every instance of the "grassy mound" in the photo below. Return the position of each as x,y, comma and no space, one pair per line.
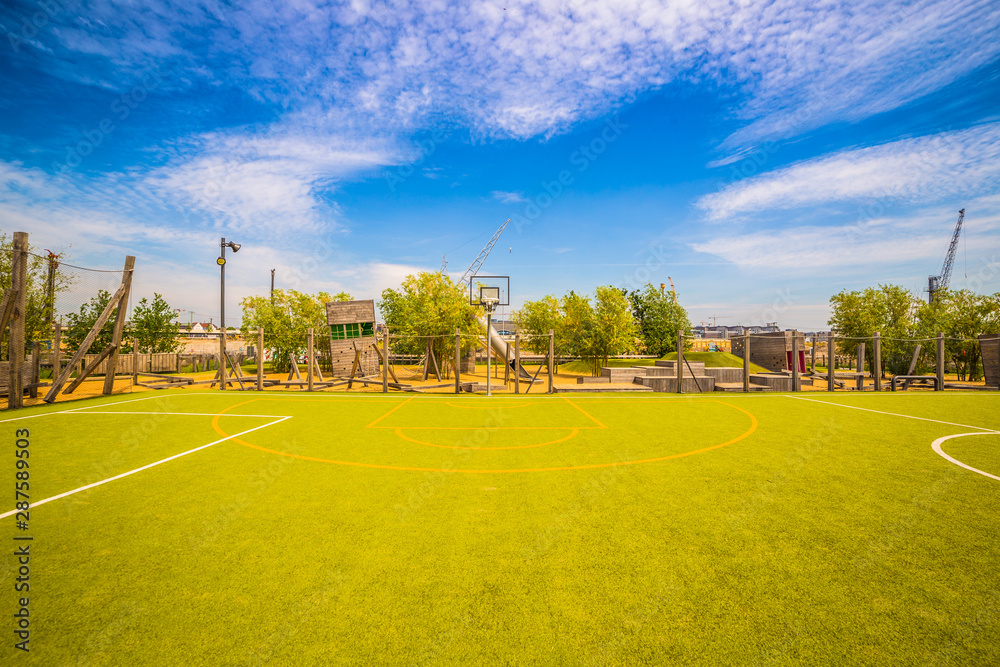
718,360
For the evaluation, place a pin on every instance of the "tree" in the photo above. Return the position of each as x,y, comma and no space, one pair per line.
615,330
962,316
590,331
659,318
286,317
889,310
40,297
430,304
154,328
575,335
80,324
535,319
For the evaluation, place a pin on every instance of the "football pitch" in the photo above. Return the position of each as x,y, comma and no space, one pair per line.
236,528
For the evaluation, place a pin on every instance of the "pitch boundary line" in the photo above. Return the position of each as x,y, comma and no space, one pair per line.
892,414
145,467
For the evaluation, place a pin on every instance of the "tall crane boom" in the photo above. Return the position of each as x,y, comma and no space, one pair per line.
934,283
474,267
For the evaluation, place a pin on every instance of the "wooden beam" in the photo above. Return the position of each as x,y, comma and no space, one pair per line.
116,335
84,346
354,366
877,371
458,360
5,307
430,349
309,353
36,369
87,371
552,345
830,356
680,361
384,358
746,361
260,358
57,352
939,363
517,363
19,290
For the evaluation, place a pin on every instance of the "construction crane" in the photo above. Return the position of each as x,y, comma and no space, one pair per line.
934,283
478,262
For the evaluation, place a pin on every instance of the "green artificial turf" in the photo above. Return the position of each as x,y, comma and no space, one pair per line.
461,530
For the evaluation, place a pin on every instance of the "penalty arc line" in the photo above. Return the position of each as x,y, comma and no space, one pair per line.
145,467
936,446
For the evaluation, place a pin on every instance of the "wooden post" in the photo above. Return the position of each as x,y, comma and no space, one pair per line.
877,370
813,356
222,358
385,362
940,362
57,352
36,369
116,336
309,369
861,366
680,361
458,360
260,358
506,365
552,347
796,380
830,354
19,294
517,363
746,362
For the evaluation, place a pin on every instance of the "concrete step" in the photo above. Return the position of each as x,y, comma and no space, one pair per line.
598,389
698,367
738,386
668,384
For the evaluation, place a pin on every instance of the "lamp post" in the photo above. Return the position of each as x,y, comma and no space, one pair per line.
222,307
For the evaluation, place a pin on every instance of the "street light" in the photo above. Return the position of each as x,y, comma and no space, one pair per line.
222,307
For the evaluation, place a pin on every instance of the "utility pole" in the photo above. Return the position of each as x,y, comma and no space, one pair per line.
272,287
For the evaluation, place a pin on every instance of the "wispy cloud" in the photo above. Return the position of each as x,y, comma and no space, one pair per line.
883,242
509,197
926,169
267,180
530,69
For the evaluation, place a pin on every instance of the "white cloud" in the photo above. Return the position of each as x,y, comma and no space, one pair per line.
531,68
509,197
266,181
882,242
926,169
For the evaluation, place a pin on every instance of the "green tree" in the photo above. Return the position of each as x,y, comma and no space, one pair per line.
431,304
39,300
615,330
889,310
78,325
154,327
286,317
575,336
962,316
534,320
659,318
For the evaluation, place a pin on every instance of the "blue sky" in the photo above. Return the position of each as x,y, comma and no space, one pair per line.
763,155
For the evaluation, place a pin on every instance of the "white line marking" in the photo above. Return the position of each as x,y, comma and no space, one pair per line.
936,446
179,414
893,414
145,467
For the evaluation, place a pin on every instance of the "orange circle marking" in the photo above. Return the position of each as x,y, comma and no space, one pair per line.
745,434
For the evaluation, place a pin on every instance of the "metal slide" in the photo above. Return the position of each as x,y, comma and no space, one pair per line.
499,346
